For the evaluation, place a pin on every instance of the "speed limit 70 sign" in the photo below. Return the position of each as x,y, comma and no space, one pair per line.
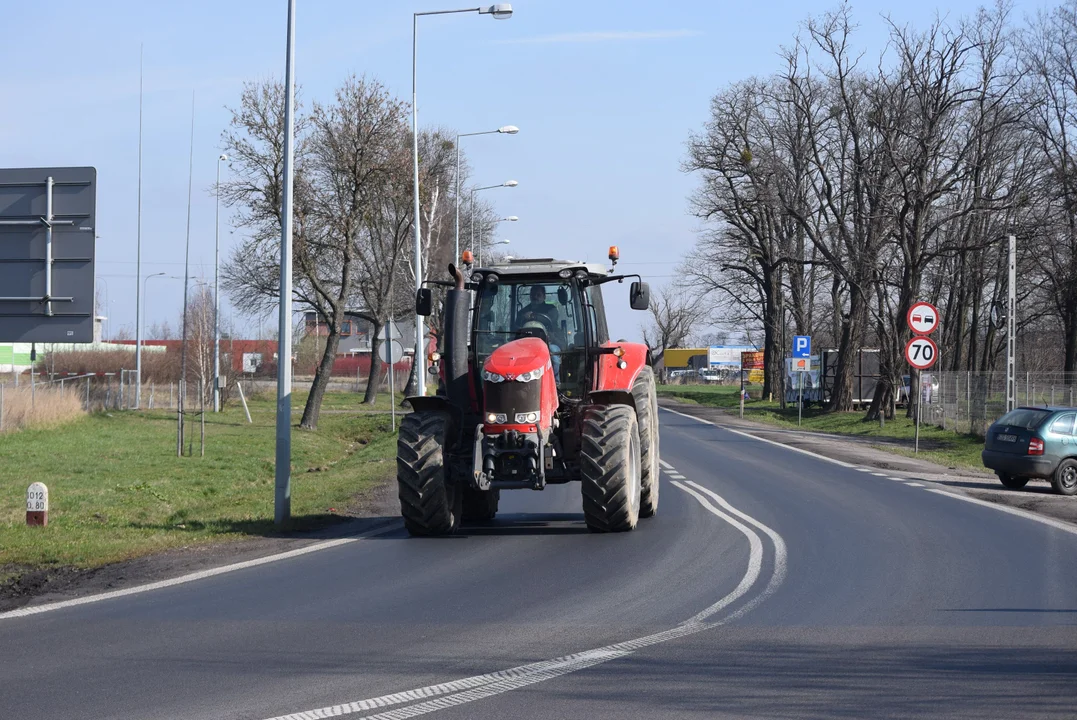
921,352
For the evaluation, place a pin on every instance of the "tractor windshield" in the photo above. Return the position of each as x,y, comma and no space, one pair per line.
524,307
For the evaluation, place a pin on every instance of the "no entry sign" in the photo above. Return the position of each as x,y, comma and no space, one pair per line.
923,318
921,352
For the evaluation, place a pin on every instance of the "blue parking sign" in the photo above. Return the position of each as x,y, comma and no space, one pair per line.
802,346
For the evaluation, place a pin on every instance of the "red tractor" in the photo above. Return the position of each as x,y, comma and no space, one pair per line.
531,392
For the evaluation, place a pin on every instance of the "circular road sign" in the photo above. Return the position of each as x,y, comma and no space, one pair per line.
923,318
921,352
383,351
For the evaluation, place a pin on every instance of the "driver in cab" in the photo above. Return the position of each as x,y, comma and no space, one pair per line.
539,309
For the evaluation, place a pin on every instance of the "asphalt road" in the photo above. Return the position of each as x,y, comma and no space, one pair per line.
771,584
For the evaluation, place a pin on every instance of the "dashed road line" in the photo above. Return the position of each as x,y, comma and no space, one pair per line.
914,484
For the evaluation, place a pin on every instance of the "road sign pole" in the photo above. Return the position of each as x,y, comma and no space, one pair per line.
919,406
800,399
1011,327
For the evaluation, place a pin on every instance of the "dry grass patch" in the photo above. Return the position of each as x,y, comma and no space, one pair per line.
42,407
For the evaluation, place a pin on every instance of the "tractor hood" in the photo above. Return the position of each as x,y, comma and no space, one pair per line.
518,357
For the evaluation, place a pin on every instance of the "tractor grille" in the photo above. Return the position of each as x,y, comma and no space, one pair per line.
511,397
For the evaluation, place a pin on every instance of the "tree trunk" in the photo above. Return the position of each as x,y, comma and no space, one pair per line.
841,395
313,408
373,380
772,339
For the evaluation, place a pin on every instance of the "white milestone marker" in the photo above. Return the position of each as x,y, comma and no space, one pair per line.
37,504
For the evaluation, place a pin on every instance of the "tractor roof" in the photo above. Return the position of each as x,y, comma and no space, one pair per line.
544,266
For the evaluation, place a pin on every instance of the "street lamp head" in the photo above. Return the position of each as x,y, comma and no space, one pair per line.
508,130
223,157
511,218
500,11
510,183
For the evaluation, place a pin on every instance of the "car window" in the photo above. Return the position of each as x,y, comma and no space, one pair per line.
1028,418
1063,425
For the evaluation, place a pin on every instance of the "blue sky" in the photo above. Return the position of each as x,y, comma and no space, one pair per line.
604,92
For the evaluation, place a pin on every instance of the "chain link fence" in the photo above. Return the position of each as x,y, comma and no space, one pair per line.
968,402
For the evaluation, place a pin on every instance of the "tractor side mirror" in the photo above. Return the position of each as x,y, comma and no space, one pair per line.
639,296
424,302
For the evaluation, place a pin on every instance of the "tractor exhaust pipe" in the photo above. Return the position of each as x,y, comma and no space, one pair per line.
457,305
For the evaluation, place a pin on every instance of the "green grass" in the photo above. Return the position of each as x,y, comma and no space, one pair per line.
117,489
937,445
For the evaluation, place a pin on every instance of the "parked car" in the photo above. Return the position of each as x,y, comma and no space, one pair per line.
710,375
1033,442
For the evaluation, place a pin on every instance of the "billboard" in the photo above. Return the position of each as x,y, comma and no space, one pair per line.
751,365
726,355
47,221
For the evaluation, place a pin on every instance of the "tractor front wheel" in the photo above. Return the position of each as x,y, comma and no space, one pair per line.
429,503
610,465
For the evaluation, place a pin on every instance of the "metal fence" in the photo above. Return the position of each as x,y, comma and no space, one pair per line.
968,402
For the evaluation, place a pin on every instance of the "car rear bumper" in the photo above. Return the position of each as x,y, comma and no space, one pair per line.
1037,466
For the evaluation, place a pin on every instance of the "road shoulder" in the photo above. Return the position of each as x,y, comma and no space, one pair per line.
1037,497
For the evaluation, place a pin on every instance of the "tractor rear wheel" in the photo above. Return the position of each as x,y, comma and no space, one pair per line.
480,504
610,468
429,503
646,399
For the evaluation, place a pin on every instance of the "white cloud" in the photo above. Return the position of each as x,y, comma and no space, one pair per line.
603,36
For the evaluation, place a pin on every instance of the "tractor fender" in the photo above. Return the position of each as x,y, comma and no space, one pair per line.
438,403
612,377
612,397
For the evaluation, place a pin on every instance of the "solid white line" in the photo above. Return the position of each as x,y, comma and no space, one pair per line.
191,577
468,690
779,543
1065,527
1056,524
762,439
914,484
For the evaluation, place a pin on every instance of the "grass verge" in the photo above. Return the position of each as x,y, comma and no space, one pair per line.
117,489
937,445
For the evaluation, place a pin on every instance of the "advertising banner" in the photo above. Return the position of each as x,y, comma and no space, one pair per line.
751,365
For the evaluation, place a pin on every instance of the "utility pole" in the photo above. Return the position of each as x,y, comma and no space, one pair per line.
138,252
181,405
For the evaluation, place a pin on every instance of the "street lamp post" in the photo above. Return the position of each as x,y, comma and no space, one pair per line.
500,11
217,295
506,130
499,242
508,183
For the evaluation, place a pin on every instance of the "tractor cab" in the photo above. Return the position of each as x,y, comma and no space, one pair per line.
553,301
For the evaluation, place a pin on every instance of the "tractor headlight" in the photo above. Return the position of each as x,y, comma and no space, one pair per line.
497,418
492,377
529,376
527,417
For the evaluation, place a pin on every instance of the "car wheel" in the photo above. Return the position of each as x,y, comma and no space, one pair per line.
1064,480
1013,483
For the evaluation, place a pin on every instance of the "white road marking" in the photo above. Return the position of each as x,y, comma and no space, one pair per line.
879,474
1058,524
914,484
867,470
762,439
665,464
191,577
466,690
898,479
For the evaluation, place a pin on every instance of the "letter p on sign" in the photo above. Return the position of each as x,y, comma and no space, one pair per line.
37,504
801,346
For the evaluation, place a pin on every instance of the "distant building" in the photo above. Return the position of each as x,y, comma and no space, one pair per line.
355,333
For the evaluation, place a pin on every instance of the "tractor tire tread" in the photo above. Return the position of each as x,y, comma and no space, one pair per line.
426,498
604,460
